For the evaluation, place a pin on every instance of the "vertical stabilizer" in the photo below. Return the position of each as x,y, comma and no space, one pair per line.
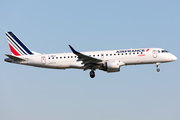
16,46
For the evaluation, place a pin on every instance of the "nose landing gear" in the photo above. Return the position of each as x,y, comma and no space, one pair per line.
157,65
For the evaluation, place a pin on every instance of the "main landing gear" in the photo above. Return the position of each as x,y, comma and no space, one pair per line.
157,65
92,74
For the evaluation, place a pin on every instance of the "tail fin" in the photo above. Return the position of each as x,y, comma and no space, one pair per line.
16,46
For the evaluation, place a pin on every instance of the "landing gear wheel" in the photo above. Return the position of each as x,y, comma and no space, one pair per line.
158,69
92,74
157,65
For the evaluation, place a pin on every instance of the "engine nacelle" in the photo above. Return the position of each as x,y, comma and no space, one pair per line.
113,65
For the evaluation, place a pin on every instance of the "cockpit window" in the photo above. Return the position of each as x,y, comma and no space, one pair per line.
164,51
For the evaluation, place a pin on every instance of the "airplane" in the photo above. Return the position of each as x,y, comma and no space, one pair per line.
109,61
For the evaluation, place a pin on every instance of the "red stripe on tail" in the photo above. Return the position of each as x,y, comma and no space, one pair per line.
14,51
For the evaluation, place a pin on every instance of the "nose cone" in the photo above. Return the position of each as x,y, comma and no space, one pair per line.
174,57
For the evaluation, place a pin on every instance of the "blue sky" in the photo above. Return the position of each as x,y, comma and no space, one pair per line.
136,92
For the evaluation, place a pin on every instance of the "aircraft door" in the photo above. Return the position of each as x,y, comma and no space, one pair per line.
43,60
154,54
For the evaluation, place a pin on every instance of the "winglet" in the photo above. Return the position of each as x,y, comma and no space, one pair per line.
74,51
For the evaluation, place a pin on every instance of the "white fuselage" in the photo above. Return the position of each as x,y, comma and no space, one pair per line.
127,57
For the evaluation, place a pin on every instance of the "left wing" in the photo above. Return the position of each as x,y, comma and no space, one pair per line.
89,62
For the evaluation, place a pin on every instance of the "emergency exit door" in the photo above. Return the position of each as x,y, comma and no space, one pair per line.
102,55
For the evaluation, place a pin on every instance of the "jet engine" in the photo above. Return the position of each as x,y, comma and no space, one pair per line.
113,65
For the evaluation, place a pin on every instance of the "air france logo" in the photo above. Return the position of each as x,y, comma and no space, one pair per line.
133,50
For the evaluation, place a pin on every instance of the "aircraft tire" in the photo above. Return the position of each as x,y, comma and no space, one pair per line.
92,74
158,69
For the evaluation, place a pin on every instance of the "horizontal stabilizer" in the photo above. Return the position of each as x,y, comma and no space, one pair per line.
15,58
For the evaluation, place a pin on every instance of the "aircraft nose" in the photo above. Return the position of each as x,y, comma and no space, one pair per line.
174,57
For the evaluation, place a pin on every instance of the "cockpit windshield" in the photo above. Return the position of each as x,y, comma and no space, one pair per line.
164,51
